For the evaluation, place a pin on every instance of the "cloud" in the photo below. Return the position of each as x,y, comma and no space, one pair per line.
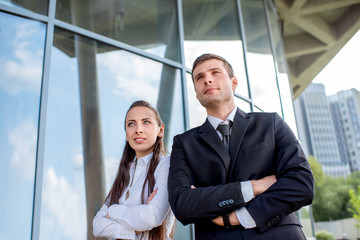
22,69
23,139
131,75
78,161
62,207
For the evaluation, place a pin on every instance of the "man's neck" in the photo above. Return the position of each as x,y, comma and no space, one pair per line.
221,112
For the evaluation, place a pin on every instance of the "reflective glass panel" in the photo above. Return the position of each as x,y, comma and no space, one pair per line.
260,62
197,113
91,87
37,6
282,69
21,60
213,27
150,25
243,105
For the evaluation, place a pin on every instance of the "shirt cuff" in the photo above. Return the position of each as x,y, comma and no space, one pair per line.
245,218
247,191
124,234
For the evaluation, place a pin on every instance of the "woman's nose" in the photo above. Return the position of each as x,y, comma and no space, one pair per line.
139,129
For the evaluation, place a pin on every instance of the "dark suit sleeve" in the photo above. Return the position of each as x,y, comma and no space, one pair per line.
190,205
295,184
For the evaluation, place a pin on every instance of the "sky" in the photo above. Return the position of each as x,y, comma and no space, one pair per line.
343,71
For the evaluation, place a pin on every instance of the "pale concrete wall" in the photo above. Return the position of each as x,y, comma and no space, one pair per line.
339,227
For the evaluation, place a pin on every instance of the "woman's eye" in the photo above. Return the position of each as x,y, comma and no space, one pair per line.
147,122
130,124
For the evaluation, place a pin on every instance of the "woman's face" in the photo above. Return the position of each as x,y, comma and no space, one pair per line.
142,129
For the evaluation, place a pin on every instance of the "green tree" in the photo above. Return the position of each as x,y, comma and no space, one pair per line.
324,235
331,201
355,204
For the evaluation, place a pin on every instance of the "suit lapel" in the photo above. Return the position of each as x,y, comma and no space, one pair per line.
209,135
238,131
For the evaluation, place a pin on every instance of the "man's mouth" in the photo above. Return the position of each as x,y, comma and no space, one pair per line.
210,89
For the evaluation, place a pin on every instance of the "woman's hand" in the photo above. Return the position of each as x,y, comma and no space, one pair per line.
152,195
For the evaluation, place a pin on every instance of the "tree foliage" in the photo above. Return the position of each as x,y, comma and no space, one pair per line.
355,204
324,235
332,199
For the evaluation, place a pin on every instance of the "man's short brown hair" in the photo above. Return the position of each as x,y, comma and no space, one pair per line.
209,56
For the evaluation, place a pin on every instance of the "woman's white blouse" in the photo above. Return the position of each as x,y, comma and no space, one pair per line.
131,214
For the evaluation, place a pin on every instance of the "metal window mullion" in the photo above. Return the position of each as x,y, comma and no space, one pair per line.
267,19
183,78
243,38
23,13
183,64
39,169
115,43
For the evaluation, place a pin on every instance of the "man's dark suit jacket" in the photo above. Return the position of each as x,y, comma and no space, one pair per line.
261,144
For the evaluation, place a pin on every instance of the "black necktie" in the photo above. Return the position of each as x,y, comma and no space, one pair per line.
225,131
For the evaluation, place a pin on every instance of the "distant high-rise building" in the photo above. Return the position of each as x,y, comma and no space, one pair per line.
345,108
317,131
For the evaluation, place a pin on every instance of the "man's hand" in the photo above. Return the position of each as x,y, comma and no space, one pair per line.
233,220
152,195
261,185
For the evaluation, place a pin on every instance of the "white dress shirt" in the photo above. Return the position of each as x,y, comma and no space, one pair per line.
130,214
242,214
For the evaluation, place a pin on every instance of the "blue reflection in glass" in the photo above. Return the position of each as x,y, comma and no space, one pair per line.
21,60
63,205
122,78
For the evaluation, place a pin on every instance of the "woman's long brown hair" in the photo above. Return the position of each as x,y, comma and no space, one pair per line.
123,176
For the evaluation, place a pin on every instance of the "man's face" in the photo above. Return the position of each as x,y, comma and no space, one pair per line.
213,84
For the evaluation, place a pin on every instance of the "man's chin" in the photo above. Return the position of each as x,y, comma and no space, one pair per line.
208,103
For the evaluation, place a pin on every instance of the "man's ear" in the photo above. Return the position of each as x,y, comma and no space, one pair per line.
234,83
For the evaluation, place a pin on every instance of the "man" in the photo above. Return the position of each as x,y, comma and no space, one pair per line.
248,189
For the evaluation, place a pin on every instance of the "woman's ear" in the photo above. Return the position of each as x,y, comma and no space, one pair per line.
161,131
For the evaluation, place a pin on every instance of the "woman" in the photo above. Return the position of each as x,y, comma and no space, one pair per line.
137,205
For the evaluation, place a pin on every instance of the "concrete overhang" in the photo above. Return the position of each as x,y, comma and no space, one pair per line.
314,31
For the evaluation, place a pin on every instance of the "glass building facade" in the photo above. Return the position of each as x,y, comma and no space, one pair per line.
70,70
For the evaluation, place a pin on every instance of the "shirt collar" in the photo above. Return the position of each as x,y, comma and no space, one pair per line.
216,121
146,159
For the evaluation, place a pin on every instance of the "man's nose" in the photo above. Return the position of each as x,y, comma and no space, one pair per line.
207,79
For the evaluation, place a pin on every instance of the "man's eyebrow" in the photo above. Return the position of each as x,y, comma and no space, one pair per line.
209,70
215,68
200,73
